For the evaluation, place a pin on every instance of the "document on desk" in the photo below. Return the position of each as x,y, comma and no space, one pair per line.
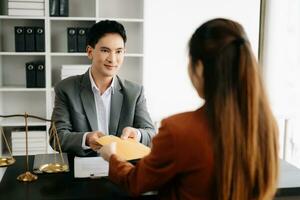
92,167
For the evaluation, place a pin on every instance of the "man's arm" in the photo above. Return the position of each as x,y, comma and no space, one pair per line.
142,120
70,141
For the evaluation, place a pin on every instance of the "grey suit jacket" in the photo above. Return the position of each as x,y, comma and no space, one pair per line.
75,112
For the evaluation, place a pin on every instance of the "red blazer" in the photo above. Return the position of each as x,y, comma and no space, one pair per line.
181,162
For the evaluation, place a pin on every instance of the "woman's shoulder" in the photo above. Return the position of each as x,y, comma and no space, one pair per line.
186,120
184,116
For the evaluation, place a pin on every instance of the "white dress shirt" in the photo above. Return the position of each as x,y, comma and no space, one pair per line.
102,104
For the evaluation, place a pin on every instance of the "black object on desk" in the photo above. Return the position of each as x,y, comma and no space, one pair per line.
57,186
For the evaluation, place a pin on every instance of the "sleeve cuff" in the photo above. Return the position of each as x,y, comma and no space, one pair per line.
83,141
139,135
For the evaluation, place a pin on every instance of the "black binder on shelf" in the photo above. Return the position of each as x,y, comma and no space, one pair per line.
39,37
54,8
30,75
72,40
40,74
29,39
64,8
81,39
19,39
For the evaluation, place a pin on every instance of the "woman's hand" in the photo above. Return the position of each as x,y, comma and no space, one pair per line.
107,150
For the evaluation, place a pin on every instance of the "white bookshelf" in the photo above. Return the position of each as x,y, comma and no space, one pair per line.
15,98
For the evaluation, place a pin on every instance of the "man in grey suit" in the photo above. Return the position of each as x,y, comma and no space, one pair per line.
99,102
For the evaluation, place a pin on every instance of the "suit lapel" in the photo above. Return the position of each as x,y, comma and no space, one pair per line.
88,101
115,107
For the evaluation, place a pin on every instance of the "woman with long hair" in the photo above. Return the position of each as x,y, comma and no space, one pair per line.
226,149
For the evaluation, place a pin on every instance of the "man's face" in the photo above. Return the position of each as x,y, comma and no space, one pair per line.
108,55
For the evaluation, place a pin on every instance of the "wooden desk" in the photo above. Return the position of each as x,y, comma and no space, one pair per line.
65,186
57,186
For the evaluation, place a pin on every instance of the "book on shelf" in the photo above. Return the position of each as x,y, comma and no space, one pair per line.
72,39
35,74
27,0
39,37
19,39
77,39
33,152
64,8
40,75
30,75
72,70
54,8
30,148
29,39
81,39
67,73
31,134
128,149
75,67
26,12
26,5
32,144
59,8
35,139
3,7
36,142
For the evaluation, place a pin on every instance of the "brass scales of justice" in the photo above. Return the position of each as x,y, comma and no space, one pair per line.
54,167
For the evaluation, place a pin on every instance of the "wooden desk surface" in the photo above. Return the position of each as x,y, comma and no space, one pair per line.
65,186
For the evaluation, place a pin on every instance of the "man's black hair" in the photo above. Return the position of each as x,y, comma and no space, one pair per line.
100,29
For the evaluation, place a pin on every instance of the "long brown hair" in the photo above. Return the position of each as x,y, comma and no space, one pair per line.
243,126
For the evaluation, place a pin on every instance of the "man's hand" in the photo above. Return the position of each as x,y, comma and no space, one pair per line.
129,132
91,140
107,150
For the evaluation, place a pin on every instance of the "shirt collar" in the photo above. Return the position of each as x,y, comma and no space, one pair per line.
94,86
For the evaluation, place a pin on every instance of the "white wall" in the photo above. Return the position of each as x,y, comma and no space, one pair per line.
281,72
281,54
168,27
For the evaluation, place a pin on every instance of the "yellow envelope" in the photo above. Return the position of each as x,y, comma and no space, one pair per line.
127,149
